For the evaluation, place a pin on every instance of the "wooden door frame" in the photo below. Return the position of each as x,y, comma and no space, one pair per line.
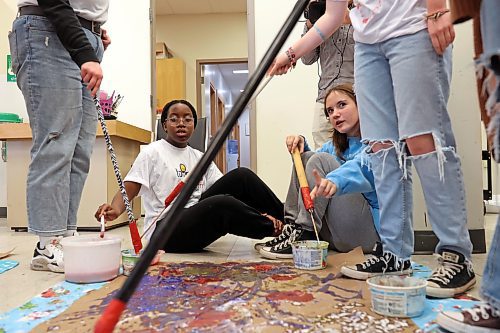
199,63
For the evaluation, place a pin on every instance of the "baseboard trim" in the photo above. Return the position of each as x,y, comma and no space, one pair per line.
426,241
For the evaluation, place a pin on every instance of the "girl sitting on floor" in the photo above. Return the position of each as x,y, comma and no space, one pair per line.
348,216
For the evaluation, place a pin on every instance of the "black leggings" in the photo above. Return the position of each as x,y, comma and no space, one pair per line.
234,204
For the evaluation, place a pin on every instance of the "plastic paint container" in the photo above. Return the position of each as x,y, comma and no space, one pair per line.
129,259
310,254
90,258
397,296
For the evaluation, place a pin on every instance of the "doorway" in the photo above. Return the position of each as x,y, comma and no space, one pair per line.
219,84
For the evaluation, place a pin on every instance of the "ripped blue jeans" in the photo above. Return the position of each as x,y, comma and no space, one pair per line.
490,26
402,88
63,122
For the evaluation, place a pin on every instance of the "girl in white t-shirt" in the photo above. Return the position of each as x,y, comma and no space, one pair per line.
402,71
238,202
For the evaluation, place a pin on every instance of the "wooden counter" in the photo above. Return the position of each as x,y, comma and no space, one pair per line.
100,186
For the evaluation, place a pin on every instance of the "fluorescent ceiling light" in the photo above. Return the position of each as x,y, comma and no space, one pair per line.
240,71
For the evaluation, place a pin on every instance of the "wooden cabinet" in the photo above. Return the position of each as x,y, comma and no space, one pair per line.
170,80
101,184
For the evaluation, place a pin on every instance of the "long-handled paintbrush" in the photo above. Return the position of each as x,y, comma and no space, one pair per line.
132,222
304,188
107,322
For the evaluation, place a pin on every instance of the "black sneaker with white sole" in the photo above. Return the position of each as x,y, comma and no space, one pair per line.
452,277
378,263
285,233
283,249
49,258
482,318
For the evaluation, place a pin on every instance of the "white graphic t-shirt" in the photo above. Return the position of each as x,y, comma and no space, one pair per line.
375,21
159,167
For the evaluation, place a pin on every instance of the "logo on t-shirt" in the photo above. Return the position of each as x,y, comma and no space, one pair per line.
182,171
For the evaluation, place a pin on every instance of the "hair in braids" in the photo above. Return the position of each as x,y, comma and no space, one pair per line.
166,109
340,139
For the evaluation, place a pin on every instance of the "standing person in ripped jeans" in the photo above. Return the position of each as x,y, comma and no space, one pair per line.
335,56
402,72
485,316
56,49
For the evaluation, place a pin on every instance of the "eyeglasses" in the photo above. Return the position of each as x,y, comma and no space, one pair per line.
177,120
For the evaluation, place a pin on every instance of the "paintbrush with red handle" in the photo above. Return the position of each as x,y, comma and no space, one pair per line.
304,187
177,189
111,314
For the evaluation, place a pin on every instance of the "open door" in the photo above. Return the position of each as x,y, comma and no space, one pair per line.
217,115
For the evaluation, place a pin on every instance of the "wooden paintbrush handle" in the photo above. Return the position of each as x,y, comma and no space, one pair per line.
299,168
301,175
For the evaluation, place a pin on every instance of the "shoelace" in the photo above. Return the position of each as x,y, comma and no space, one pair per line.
447,270
288,241
483,309
385,258
287,231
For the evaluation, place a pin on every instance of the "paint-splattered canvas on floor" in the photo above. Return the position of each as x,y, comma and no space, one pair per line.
236,297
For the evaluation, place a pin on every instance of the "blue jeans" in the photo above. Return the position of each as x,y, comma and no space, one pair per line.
63,122
490,26
402,88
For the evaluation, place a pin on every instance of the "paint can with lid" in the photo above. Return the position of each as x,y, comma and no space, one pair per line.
310,254
397,296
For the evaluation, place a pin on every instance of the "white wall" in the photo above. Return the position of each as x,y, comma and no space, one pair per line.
286,105
209,36
127,61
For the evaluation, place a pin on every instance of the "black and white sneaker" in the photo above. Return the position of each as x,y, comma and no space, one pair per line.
453,276
285,233
378,263
283,249
48,259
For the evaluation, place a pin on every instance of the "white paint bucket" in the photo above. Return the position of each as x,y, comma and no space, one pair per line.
397,296
310,254
90,258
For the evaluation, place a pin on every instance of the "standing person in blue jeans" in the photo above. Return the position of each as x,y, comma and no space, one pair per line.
485,317
56,49
402,74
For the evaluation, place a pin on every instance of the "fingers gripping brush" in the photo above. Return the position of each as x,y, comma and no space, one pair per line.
111,315
304,188
132,222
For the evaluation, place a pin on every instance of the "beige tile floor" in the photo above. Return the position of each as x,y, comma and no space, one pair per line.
20,284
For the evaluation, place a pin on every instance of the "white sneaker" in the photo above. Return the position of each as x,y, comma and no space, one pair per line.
48,259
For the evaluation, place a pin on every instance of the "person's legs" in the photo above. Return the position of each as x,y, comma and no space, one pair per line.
344,221
321,127
425,126
51,85
245,186
296,217
214,217
379,129
485,316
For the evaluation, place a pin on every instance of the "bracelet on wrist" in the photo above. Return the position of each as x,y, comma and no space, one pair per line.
436,15
290,53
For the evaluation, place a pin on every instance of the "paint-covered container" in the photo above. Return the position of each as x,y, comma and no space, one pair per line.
397,296
310,254
129,259
90,258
